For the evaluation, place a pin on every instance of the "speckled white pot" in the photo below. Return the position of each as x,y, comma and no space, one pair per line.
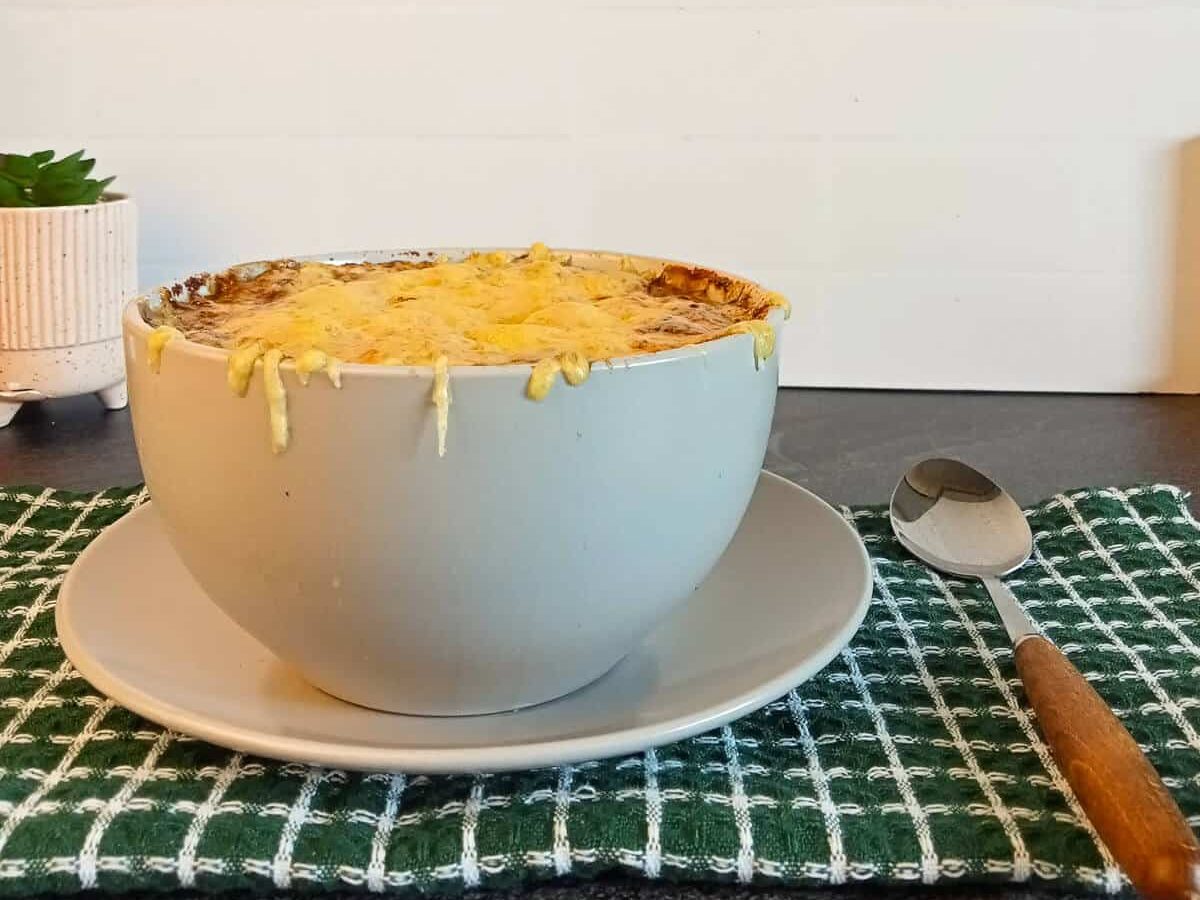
64,275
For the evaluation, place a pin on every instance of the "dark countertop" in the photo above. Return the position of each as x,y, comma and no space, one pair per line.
847,446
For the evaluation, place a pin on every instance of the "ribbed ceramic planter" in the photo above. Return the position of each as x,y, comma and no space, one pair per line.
64,274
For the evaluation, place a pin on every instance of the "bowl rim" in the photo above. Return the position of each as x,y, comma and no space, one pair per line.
133,323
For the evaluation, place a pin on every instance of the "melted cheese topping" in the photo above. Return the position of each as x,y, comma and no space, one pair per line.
308,362
157,342
241,366
541,379
276,399
575,367
764,339
333,369
441,399
488,309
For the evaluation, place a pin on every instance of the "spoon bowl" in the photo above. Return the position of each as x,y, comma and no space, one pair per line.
959,520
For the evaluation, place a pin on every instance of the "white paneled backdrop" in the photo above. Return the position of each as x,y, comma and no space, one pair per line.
972,194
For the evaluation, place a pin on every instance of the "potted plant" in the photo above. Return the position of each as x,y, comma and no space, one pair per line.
68,260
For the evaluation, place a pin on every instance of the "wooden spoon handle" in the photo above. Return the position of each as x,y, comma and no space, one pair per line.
1118,788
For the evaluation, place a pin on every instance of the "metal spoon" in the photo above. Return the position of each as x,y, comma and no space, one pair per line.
959,521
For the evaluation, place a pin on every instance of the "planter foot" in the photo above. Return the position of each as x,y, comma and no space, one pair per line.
114,397
8,409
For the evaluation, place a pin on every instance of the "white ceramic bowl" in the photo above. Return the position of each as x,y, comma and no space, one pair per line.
522,565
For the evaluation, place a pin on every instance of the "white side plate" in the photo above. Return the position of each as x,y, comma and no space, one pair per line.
785,598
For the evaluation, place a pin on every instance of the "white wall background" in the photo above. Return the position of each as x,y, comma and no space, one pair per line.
981,194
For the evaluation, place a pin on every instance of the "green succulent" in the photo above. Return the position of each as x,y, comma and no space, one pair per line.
41,180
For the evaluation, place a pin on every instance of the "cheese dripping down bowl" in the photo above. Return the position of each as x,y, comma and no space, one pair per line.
523,562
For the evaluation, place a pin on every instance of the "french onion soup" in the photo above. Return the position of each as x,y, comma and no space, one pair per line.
539,308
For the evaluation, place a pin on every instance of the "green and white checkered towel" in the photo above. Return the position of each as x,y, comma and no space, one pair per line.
911,758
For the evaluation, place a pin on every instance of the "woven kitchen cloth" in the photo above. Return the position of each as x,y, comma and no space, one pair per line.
910,758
